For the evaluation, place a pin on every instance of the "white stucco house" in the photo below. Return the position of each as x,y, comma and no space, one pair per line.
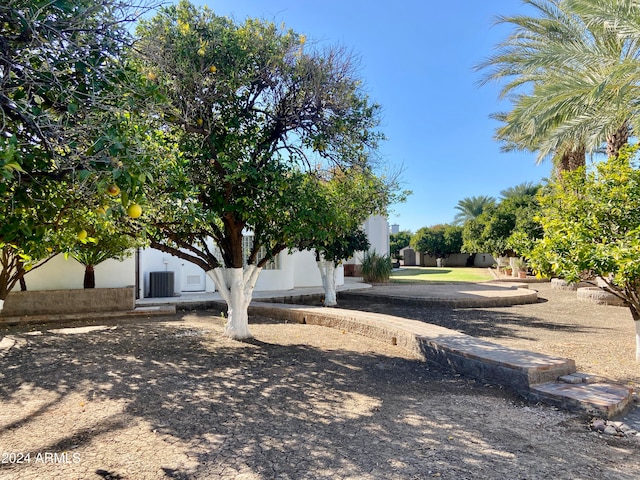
155,273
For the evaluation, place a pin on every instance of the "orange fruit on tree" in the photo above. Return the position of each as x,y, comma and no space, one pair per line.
134,210
113,190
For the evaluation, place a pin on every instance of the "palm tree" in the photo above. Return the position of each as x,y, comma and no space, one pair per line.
108,245
623,16
526,189
571,82
471,207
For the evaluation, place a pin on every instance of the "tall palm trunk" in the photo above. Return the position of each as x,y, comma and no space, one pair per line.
571,159
617,140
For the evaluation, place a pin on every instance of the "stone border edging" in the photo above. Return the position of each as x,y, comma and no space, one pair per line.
152,311
485,361
534,376
598,296
529,296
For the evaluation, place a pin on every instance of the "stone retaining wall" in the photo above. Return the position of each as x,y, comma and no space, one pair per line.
52,302
485,361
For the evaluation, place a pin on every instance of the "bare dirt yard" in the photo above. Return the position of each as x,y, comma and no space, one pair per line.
600,338
171,398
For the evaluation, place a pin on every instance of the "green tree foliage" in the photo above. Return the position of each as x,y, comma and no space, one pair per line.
508,228
33,227
571,78
439,241
104,239
471,207
345,199
526,190
248,106
489,232
345,247
592,229
60,71
398,241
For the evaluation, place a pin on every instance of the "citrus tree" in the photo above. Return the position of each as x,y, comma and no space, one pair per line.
329,254
101,236
32,228
60,77
345,198
507,228
439,241
592,229
249,107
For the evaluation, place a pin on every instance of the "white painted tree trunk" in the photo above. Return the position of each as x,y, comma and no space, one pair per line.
328,275
235,285
1,305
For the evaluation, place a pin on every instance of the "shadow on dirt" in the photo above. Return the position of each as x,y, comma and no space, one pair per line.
477,322
266,408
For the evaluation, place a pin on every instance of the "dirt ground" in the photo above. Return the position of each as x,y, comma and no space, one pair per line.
600,338
171,398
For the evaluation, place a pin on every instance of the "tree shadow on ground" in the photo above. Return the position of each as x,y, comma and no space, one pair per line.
176,400
495,323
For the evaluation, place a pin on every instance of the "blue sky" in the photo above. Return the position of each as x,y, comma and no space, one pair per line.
417,61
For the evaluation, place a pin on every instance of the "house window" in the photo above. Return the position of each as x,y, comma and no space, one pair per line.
247,245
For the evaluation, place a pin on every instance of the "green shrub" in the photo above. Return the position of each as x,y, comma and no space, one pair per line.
376,268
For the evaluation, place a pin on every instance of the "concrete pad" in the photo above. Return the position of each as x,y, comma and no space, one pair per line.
457,295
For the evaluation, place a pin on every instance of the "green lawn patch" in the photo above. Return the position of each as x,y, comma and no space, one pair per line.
443,274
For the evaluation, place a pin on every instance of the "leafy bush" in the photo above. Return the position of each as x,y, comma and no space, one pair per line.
439,241
398,241
591,221
376,268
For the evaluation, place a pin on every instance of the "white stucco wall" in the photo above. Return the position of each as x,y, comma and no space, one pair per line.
279,279
377,229
483,260
307,273
152,260
298,269
61,274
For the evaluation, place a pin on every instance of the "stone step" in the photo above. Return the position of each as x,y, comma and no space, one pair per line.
601,399
579,377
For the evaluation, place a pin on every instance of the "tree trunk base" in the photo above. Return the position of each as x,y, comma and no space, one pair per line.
328,275
89,277
235,285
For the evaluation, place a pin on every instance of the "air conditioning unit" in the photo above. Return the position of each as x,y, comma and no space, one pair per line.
161,284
